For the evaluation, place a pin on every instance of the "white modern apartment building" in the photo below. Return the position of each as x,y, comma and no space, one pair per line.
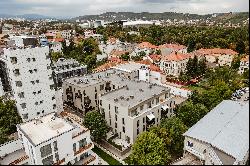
244,64
56,47
49,140
134,108
222,136
83,93
66,34
66,68
31,81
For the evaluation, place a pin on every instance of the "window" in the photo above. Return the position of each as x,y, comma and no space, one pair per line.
123,121
34,93
149,104
82,143
101,87
48,67
157,100
46,150
37,81
109,115
109,106
138,123
123,129
166,95
53,98
144,127
138,131
110,122
115,125
116,109
33,59
101,102
51,87
13,60
190,144
39,92
74,147
38,113
115,117
19,84
57,157
35,70
16,72
55,146
144,120
48,160
23,105
28,59
25,116
21,95
33,82
54,106
30,71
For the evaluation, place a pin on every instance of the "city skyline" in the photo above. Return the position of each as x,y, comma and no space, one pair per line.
73,8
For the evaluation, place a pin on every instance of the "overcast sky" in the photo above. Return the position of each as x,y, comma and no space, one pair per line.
70,8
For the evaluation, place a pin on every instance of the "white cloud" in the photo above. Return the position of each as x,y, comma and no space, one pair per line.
83,7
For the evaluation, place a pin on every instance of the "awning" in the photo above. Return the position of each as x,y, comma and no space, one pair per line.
151,116
165,107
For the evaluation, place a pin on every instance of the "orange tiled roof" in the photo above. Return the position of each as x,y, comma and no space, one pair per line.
151,65
245,59
216,51
147,45
155,57
115,59
56,40
176,57
173,46
112,40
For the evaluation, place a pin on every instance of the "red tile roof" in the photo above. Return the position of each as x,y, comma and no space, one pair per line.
56,40
147,45
216,51
245,59
176,57
114,59
155,57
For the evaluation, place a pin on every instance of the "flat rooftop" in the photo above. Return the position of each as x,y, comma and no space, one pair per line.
45,128
226,128
133,93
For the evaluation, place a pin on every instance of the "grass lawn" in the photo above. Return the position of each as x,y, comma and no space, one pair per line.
109,159
195,87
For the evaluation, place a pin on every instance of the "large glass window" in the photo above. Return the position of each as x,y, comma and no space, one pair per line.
82,143
48,161
46,150
55,146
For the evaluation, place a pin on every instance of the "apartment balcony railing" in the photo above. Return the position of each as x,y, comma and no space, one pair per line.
59,162
17,161
82,132
89,160
82,149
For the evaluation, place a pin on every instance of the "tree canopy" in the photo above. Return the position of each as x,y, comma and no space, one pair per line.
97,125
9,118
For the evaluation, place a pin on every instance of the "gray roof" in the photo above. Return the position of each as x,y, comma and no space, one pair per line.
134,93
226,128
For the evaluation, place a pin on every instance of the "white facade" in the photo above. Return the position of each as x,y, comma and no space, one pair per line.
66,34
56,47
244,64
50,140
31,81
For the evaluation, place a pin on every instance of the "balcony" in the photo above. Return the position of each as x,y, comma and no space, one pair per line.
59,162
17,161
82,132
89,160
82,149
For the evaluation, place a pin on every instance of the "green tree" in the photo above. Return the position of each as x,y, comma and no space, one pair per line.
191,113
240,47
56,55
174,128
236,63
9,118
125,57
149,149
97,125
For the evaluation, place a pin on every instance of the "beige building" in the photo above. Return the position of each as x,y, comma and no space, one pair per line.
174,63
244,64
217,56
222,136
